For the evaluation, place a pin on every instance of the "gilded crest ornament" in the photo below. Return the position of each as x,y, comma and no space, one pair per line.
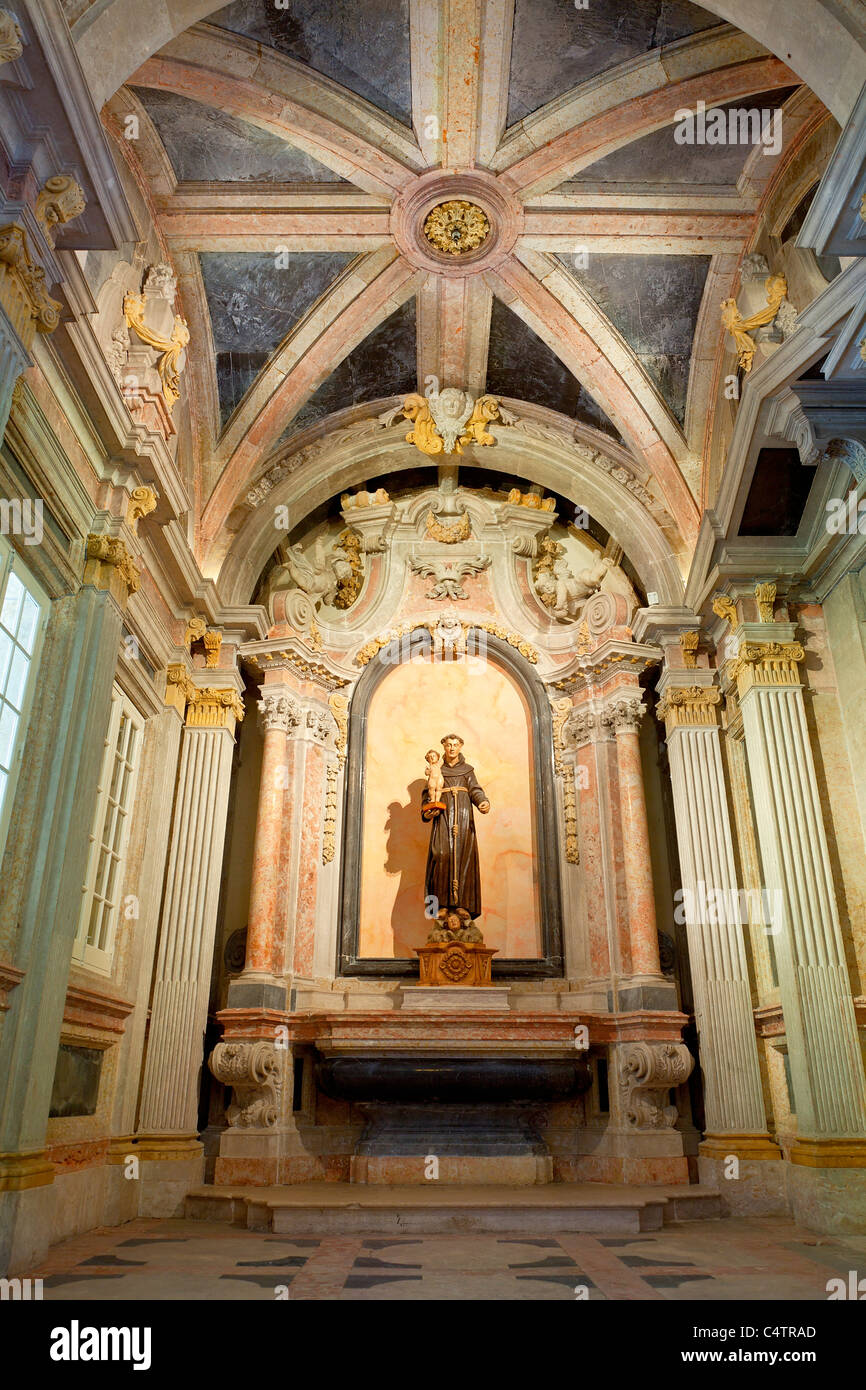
456,227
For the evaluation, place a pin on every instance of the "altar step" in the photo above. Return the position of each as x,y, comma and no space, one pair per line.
345,1209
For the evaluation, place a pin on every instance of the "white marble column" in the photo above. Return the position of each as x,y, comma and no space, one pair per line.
714,923
826,1063
183,969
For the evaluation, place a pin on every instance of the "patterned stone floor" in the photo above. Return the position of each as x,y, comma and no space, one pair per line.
760,1259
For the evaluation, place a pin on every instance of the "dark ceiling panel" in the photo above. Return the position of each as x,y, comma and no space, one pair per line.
653,301
556,45
204,144
362,44
520,365
384,364
254,305
658,159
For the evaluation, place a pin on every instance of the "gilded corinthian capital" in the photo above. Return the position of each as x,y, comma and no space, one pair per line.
690,706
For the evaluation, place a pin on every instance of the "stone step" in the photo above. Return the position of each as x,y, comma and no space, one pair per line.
346,1208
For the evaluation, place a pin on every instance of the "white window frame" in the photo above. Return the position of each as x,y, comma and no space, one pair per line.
11,563
99,958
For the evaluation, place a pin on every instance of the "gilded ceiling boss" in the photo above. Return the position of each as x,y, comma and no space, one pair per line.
453,877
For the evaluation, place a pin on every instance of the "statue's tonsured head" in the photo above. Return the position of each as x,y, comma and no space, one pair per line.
451,738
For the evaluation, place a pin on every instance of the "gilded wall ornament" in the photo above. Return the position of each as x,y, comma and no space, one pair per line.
456,227
149,315
372,648
531,499
748,330
109,566
444,421
448,533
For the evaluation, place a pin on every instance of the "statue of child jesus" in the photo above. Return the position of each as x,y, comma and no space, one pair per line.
435,780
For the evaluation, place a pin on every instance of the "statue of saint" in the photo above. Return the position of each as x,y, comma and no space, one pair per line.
453,877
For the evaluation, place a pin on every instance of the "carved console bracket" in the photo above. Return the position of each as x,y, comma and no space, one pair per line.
253,1070
648,1072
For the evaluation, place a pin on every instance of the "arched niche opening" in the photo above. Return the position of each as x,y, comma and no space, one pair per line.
411,695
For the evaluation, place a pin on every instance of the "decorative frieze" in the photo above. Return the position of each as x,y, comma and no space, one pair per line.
648,1072
254,1072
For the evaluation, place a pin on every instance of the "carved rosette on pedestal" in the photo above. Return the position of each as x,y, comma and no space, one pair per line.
454,963
648,1072
254,1072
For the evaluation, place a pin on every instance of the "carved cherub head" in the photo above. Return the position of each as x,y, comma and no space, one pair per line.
432,756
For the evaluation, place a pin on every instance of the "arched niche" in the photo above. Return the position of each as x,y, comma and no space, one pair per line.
393,854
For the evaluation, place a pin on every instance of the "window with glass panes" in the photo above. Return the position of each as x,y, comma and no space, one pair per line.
103,886
23,607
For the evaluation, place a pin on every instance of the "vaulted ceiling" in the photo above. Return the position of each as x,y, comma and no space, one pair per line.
281,149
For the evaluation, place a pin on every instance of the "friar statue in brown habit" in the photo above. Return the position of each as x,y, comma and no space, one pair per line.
452,860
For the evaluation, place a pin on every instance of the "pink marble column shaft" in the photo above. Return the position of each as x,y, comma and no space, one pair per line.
643,937
278,714
592,857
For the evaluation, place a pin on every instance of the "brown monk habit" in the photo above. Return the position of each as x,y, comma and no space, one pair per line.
461,793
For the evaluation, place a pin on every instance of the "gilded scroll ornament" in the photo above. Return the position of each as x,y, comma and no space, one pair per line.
724,607
456,227
689,648
339,707
765,594
142,502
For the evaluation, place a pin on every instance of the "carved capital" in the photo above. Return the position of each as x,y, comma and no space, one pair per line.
319,725
765,664
691,706
580,728
59,200
23,293
254,1072
11,38
648,1072
214,708
279,712
108,566
178,687
623,715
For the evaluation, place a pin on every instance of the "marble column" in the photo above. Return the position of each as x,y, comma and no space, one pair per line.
735,1113
580,730
623,714
167,1125
280,714
823,1046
